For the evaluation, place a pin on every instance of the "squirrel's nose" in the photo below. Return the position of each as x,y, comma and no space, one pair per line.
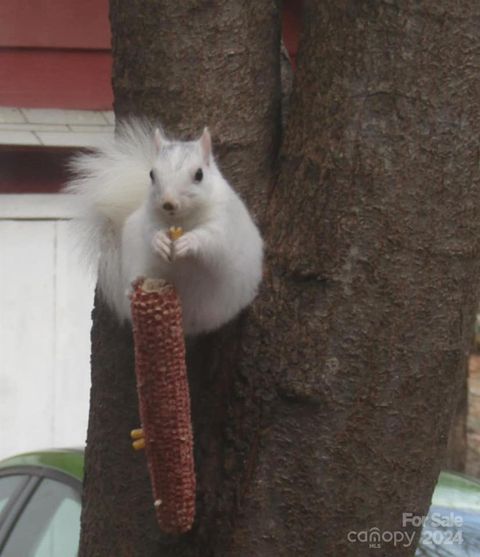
169,206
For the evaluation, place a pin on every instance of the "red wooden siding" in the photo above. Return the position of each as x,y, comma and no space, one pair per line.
292,23
55,79
54,24
55,54
28,170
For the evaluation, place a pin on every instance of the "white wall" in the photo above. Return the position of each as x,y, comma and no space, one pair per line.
46,299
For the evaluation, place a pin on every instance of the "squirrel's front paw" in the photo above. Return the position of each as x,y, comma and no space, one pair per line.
187,244
162,245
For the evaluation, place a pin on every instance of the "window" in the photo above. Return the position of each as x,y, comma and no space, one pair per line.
8,486
46,297
50,524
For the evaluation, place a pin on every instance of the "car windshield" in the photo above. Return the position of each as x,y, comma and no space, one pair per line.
50,524
8,486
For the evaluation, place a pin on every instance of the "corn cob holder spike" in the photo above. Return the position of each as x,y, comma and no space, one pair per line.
164,401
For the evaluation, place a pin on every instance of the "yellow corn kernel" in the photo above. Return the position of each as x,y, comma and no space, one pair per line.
137,434
175,232
139,444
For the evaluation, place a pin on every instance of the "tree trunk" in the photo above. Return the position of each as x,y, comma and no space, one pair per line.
456,458
377,300
325,409
187,64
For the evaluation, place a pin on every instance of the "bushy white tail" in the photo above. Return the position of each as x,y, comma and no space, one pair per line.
109,184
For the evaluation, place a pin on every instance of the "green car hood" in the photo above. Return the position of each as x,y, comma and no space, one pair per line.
69,461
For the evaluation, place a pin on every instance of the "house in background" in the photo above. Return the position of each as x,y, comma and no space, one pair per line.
55,97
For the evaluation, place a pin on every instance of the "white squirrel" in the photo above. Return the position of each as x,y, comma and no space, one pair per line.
133,190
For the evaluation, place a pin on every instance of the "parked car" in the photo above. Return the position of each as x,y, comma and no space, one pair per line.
40,503
452,527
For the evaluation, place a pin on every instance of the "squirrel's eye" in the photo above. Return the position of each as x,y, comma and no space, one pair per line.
152,176
198,175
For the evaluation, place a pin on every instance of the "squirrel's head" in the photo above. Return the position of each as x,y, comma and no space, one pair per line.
181,177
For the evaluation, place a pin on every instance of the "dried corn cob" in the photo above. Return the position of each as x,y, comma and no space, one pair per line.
164,402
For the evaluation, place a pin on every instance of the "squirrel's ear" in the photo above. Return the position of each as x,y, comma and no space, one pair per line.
159,139
206,145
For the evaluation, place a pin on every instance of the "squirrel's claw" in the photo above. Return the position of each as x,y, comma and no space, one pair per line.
162,245
186,245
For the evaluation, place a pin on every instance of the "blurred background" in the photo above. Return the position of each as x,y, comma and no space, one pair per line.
55,99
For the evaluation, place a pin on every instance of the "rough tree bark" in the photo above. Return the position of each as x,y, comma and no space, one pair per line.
188,64
326,408
457,448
